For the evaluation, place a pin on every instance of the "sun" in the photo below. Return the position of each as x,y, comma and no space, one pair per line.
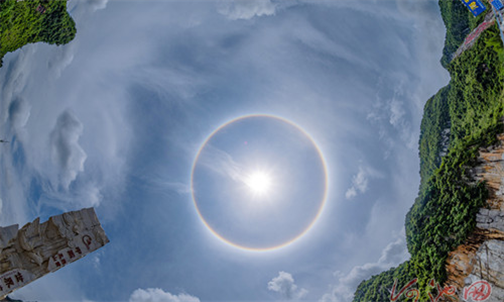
258,182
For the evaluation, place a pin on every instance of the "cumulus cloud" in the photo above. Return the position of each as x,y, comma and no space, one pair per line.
67,154
159,295
360,181
393,254
244,9
19,112
284,284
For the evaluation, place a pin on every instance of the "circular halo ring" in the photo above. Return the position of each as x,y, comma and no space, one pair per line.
281,245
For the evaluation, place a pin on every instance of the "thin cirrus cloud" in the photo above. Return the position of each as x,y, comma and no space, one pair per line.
285,285
221,163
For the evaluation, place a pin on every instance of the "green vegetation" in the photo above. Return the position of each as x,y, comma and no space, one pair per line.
459,22
444,213
435,119
32,21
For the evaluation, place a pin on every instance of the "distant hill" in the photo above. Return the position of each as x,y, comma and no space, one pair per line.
31,21
460,119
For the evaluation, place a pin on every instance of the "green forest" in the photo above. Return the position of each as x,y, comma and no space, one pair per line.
471,108
31,21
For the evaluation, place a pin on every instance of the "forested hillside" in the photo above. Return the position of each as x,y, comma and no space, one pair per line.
30,21
444,213
459,23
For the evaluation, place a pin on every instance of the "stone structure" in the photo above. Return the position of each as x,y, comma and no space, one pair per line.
482,256
40,248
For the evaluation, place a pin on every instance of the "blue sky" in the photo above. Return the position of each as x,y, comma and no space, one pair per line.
115,118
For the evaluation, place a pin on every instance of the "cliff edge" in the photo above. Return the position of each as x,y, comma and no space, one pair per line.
481,257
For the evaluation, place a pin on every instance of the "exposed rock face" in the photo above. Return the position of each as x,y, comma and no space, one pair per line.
38,249
482,256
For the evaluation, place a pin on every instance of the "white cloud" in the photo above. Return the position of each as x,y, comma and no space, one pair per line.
19,113
351,193
97,4
63,57
17,73
360,181
284,284
96,262
65,148
245,9
158,295
393,254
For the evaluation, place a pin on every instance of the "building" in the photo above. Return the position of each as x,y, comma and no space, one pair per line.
498,9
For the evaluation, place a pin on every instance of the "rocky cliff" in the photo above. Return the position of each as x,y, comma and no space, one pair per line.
482,256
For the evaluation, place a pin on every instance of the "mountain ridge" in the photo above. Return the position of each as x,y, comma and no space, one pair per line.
458,121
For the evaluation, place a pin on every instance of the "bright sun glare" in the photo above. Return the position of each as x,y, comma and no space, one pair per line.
258,182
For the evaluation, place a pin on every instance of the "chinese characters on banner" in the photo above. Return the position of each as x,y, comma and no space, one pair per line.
475,6
37,249
14,279
70,254
477,291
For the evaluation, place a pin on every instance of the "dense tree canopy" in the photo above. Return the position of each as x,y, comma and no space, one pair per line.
32,21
